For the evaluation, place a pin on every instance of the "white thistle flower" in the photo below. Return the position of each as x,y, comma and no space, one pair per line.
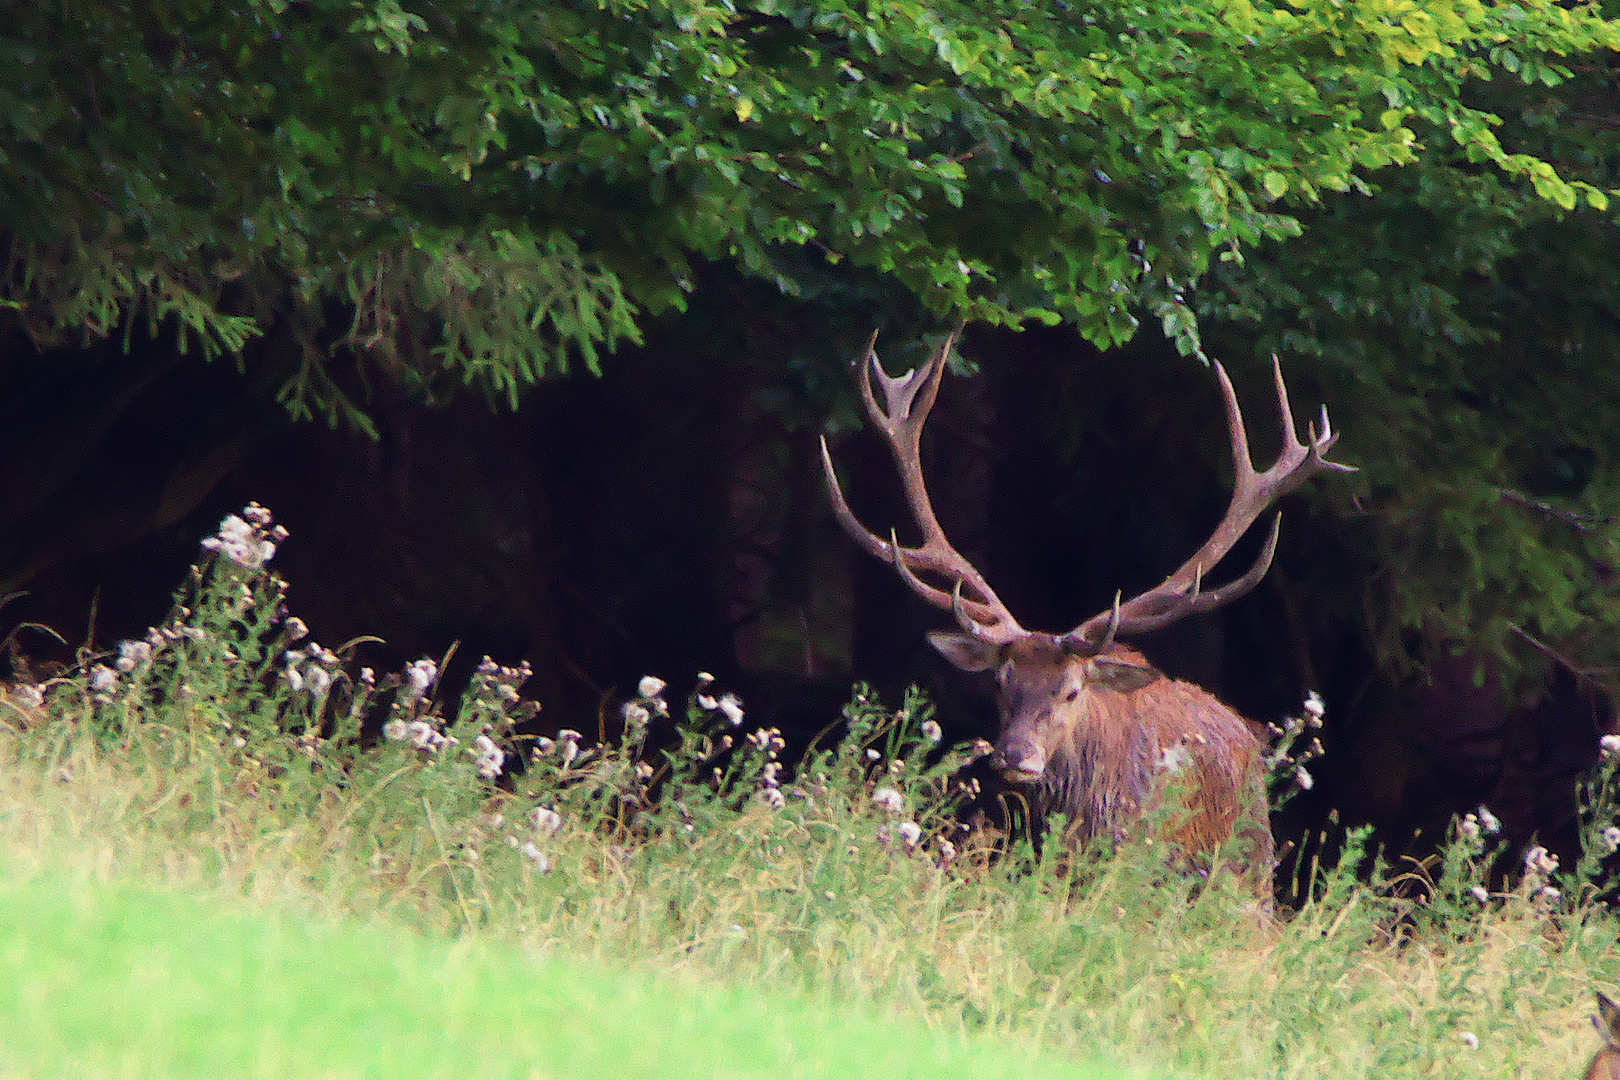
1172,759
931,731
1489,822
650,686
103,679
910,833
241,543
133,654
424,736
1313,705
1609,745
730,706
889,800
546,820
419,677
319,681
542,861
1538,860
488,756
1611,839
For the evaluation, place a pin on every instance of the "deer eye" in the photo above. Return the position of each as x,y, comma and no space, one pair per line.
1073,693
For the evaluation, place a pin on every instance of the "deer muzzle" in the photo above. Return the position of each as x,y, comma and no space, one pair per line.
1020,761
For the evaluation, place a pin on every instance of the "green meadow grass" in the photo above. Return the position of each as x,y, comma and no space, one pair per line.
123,979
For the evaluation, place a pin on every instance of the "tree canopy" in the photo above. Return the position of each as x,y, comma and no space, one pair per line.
484,190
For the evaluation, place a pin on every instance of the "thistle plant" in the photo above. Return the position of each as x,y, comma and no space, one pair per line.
1599,810
1295,743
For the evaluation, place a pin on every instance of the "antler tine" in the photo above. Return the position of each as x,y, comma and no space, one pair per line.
1253,491
907,401
1109,629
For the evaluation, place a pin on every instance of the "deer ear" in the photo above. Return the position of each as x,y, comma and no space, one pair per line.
1119,675
1607,1020
965,651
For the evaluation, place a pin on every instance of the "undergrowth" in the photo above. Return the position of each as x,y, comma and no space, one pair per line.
228,747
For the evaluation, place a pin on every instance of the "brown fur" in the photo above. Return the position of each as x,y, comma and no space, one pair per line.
1606,1065
1103,727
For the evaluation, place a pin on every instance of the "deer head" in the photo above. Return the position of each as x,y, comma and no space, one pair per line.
1076,700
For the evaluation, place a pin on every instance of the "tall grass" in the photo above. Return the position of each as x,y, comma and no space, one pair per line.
226,752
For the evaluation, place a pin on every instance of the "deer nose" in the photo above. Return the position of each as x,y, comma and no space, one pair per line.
1019,761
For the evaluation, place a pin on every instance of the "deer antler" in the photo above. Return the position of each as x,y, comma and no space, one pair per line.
907,400
1182,593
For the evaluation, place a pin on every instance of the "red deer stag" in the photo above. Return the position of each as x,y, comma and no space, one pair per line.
1087,727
